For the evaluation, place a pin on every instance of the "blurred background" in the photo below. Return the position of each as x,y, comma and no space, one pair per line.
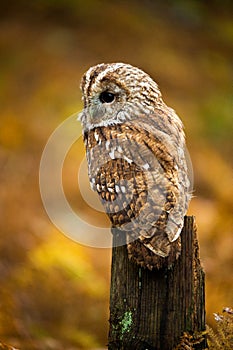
54,293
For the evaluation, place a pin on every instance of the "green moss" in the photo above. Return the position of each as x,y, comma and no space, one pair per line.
126,323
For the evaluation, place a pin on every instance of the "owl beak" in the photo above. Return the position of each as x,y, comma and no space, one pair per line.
96,112
81,116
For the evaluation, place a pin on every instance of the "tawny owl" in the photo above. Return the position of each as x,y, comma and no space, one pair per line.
135,148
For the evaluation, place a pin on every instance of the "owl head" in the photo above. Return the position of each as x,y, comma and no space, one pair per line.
114,93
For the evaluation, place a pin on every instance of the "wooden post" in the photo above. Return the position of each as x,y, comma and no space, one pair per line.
153,309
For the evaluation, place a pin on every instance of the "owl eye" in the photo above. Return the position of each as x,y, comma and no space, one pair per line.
106,97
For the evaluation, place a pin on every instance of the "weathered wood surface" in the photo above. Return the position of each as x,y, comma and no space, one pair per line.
152,309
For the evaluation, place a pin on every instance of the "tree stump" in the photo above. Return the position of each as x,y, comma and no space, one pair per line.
153,309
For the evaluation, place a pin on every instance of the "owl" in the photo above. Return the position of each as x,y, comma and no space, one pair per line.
135,149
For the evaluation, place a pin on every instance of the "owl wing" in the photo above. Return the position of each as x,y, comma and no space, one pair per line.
140,174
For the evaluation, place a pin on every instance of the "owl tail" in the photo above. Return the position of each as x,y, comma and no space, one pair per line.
156,252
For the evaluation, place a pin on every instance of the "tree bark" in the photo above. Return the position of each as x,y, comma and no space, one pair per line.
153,309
